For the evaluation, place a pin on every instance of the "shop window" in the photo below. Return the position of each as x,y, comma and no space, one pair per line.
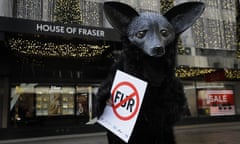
82,104
22,103
30,103
42,104
67,104
211,98
190,92
85,97
54,101
213,102
84,101
24,108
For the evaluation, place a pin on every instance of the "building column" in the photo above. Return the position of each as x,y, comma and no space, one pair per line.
6,8
4,102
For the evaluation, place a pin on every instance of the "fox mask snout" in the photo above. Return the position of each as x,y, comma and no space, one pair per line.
149,31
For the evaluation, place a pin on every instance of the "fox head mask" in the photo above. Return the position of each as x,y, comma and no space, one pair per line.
150,31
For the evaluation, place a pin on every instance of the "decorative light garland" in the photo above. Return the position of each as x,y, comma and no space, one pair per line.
78,12
87,12
183,72
238,51
238,29
68,11
165,5
232,74
39,48
34,47
91,13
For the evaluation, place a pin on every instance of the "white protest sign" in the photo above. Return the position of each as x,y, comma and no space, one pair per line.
127,95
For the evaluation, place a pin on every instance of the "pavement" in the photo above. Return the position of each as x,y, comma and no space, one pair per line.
218,133
93,138
221,133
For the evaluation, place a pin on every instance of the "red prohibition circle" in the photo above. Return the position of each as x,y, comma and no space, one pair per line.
115,106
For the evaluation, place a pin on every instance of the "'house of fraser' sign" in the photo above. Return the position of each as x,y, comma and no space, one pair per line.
72,30
15,25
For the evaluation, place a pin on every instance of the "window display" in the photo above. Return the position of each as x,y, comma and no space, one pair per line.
42,104
216,102
54,107
82,104
84,101
24,107
29,102
54,101
67,104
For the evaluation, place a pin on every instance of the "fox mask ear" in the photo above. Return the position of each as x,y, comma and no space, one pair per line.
119,15
184,15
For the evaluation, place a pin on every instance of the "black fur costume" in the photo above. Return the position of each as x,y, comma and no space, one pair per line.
164,100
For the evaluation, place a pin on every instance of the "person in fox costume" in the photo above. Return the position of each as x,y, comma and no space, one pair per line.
149,53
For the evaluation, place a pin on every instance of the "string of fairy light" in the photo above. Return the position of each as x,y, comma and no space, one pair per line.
217,27
185,73
68,11
77,11
90,13
238,29
39,48
232,74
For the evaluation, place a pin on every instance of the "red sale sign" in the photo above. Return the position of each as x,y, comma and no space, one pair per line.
216,102
221,102
220,97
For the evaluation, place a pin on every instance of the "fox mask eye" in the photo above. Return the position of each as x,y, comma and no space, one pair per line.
164,33
141,34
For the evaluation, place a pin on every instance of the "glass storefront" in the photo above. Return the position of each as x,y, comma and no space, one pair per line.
54,101
30,101
216,102
212,99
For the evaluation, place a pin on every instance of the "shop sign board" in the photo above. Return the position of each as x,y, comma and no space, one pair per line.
16,25
221,102
71,30
127,95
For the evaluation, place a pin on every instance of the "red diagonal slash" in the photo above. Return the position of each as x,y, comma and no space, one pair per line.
134,93
124,100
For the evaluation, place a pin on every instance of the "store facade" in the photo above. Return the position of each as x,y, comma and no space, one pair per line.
50,71
50,75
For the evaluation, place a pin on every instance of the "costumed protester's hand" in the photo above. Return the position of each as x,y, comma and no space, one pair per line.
109,102
104,92
99,109
103,98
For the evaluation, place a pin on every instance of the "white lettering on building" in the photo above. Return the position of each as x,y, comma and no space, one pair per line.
91,32
69,30
50,28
